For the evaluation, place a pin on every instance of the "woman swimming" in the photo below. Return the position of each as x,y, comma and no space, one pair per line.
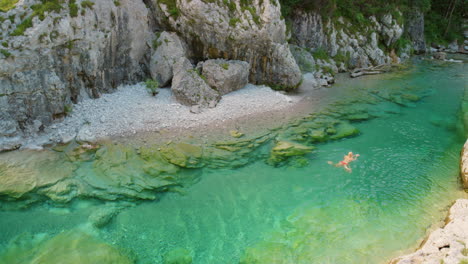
345,162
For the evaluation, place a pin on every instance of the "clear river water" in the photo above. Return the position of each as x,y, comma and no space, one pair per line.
401,185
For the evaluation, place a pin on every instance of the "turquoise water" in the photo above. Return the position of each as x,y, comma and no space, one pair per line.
404,180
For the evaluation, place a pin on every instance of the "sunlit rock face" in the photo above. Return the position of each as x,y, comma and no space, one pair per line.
447,244
62,59
356,46
254,33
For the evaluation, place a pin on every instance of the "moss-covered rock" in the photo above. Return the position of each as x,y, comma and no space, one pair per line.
178,256
285,149
183,155
344,130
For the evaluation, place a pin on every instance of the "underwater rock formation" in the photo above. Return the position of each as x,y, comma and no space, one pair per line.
70,247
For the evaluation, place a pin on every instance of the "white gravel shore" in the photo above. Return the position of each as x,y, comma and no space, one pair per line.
131,109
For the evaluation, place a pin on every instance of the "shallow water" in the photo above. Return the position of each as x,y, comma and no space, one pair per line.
404,180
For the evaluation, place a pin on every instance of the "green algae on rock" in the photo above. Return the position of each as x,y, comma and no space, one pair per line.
70,247
178,256
286,149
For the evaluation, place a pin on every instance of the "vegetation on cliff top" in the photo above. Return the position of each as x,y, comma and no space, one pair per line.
6,5
443,19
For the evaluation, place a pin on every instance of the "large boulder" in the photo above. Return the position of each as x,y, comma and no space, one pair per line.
189,86
440,55
168,49
226,76
240,30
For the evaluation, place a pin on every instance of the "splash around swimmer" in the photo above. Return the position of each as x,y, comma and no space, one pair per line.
345,162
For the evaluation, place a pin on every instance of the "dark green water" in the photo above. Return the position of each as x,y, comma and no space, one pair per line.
405,178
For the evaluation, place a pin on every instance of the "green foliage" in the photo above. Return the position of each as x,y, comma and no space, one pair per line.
5,53
340,57
19,30
87,4
73,8
68,109
171,7
444,21
230,4
116,3
6,5
152,86
5,44
321,54
225,66
46,6
233,21
401,44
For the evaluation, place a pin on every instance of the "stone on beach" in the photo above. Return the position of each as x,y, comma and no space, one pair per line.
226,76
190,88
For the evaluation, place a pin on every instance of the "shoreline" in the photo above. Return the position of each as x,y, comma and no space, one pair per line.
132,115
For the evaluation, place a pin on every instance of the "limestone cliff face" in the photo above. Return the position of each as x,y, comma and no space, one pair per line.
356,48
415,29
62,59
254,33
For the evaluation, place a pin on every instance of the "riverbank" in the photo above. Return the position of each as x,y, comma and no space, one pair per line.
132,114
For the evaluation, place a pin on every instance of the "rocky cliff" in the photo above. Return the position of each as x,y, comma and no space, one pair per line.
343,45
55,53
55,58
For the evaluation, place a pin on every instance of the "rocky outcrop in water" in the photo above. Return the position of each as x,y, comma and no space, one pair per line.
445,245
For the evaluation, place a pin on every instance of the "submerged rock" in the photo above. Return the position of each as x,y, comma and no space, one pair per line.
183,155
178,256
285,149
71,247
21,173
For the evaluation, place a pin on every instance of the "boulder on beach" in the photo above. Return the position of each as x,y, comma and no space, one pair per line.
168,49
189,86
225,76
